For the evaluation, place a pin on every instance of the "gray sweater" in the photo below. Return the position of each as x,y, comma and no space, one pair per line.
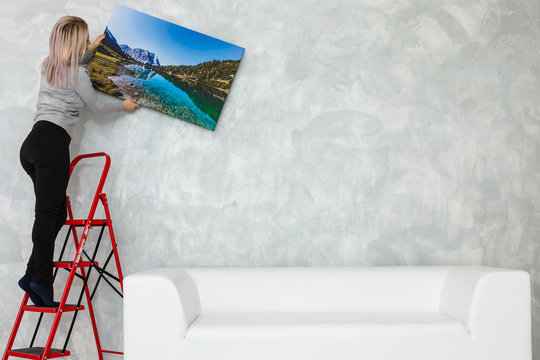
61,106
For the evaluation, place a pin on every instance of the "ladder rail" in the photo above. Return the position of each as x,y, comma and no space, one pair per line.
106,167
105,203
95,201
15,327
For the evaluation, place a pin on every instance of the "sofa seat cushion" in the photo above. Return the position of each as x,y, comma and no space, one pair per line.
327,335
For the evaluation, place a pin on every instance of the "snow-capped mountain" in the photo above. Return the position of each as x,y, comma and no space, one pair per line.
141,55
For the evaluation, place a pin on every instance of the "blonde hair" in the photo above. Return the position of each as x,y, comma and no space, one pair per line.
67,44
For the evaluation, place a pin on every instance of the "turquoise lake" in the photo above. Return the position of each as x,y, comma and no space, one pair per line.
154,91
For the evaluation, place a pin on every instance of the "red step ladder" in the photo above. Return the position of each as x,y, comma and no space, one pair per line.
47,352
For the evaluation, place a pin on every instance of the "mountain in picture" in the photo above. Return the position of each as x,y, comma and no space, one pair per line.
111,43
141,55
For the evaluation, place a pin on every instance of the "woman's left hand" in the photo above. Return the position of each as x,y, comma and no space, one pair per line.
96,42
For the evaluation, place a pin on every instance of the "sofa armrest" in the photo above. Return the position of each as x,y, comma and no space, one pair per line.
159,306
495,305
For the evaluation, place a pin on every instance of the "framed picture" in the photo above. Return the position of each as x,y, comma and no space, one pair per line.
166,67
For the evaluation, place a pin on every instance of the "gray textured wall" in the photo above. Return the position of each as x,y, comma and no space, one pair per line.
357,132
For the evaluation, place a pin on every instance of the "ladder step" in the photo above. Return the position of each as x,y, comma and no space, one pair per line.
68,264
83,222
42,309
36,352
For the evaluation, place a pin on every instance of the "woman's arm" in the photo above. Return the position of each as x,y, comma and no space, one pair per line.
87,58
84,89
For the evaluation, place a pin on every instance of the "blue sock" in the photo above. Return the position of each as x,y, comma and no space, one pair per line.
45,292
24,283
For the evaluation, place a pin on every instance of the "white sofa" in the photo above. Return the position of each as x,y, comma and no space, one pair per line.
459,312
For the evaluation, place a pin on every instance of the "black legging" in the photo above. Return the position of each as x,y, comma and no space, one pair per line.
44,156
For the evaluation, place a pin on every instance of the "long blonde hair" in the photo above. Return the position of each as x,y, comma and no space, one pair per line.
67,44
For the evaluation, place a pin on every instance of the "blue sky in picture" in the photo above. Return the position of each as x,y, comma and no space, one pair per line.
171,43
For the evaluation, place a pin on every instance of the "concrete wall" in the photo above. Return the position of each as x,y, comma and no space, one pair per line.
356,132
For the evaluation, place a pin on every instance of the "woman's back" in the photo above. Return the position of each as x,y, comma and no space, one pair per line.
61,105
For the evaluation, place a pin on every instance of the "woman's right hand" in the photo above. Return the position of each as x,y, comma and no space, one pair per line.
130,105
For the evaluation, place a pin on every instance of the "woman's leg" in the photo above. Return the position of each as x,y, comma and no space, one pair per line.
45,157
24,282
51,184
31,171
59,223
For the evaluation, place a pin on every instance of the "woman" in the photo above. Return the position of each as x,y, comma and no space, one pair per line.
65,88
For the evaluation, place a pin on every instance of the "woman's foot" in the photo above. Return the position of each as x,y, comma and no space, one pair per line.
24,283
45,292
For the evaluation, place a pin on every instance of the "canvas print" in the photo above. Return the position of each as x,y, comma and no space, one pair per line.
168,68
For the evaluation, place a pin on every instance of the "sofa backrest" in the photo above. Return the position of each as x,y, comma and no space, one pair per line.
373,288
